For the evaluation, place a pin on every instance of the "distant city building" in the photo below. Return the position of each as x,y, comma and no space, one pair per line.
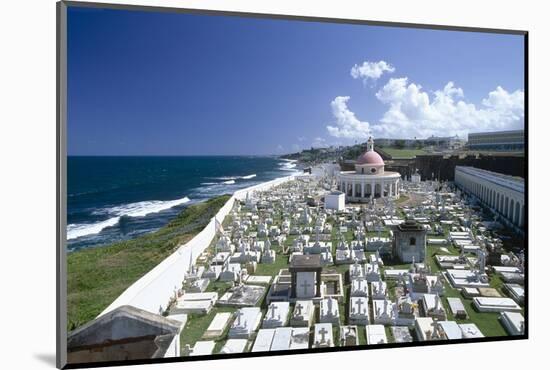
503,193
499,140
369,180
446,142
409,243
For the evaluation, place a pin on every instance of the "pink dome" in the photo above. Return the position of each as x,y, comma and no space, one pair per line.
370,157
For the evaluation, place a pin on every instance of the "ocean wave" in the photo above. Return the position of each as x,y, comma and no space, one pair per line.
144,208
77,230
288,165
138,209
229,178
229,182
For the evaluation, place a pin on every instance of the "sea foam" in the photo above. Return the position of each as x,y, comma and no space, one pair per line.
138,209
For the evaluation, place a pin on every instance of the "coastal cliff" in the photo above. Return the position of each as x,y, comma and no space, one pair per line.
96,276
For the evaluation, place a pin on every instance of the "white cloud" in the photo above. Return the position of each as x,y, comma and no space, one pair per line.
414,112
319,142
347,126
371,70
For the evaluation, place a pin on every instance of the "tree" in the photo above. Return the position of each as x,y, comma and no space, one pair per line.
399,144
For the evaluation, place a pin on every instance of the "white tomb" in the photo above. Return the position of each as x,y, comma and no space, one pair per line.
359,288
383,311
376,334
495,304
263,340
202,348
470,331
277,315
234,346
349,335
218,325
303,313
247,320
300,338
268,255
513,322
281,339
306,284
378,289
358,311
372,272
329,311
457,308
449,329
322,336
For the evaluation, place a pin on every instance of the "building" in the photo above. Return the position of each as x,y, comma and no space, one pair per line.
503,193
126,333
499,140
369,180
447,142
335,200
409,242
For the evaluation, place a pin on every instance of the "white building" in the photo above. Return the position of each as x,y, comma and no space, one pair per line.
335,200
369,180
503,193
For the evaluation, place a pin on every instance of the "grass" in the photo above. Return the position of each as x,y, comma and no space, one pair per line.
97,276
402,199
197,324
403,153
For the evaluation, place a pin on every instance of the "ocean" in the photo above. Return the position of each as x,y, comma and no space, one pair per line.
116,198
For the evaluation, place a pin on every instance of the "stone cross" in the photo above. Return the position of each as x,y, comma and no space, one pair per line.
305,285
239,314
187,350
272,307
323,332
359,304
299,308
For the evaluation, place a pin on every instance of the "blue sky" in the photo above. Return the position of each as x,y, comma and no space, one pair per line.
146,83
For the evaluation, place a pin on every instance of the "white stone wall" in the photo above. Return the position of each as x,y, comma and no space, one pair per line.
507,201
153,290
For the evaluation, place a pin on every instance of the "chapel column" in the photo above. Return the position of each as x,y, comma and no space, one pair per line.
362,189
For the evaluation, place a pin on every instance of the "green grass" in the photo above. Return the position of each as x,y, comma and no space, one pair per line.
403,153
402,199
272,269
197,324
97,276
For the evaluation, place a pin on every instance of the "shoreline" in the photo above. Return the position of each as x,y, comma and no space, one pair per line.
97,266
105,222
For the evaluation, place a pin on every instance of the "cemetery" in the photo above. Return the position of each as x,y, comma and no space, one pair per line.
288,271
